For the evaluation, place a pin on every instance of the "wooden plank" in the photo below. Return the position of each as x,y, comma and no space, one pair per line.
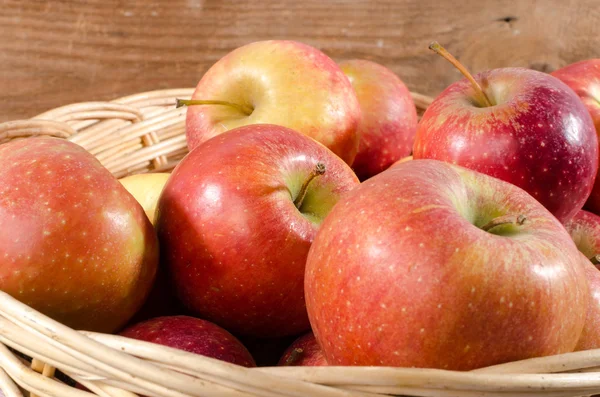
62,51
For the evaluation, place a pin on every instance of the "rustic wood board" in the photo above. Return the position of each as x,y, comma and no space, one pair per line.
62,51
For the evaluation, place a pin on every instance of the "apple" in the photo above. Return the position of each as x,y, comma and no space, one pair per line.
278,82
74,244
590,336
584,229
584,78
146,189
519,125
236,220
192,335
433,265
305,351
389,121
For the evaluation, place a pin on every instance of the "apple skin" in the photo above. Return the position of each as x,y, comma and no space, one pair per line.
584,229
192,335
287,83
146,189
584,78
389,121
539,136
75,244
233,241
404,253
590,336
312,354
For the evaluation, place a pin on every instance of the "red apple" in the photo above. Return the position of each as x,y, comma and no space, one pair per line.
192,335
74,244
305,351
433,265
278,82
585,232
389,119
584,78
522,126
590,336
236,220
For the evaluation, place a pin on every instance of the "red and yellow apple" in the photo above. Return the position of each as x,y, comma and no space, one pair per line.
389,119
146,189
236,220
280,82
437,266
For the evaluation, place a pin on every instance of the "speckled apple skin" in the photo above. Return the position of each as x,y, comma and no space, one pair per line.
400,274
389,116
590,336
74,244
192,335
584,228
539,136
584,78
312,354
231,237
287,83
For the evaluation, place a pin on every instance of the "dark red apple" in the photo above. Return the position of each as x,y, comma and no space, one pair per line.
74,244
236,220
192,335
389,116
437,266
305,351
584,78
519,125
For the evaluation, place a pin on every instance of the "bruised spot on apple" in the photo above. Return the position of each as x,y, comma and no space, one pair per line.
236,220
74,245
278,82
407,252
537,135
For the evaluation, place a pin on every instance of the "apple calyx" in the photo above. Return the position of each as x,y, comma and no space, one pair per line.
294,356
595,259
318,170
438,49
504,220
247,110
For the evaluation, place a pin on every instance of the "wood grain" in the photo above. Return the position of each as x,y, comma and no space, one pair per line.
58,52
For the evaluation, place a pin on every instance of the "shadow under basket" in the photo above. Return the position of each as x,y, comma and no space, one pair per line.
146,133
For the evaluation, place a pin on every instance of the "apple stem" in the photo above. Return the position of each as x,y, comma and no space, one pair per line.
504,220
438,49
191,102
318,170
294,356
595,259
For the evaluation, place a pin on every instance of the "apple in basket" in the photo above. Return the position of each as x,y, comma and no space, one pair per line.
437,266
192,335
278,82
522,126
584,78
389,121
304,351
74,244
236,220
146,189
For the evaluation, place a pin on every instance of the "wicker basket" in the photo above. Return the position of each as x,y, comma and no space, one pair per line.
145,133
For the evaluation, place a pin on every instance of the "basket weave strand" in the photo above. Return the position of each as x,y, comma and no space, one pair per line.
146,133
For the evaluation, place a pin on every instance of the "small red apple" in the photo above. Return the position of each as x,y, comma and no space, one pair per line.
584,78
278,82
192,335
437,266
74,244
519,125
389,119
305,351
236,220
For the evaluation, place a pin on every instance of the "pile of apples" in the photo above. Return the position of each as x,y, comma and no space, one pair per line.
315,207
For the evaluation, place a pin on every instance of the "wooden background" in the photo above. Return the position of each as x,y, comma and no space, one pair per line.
62,51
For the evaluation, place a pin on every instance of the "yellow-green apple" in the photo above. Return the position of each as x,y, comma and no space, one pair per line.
519,125
584,78
389,119
433,265
278,82
74,244
146,189
236,220
304,351
192,335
